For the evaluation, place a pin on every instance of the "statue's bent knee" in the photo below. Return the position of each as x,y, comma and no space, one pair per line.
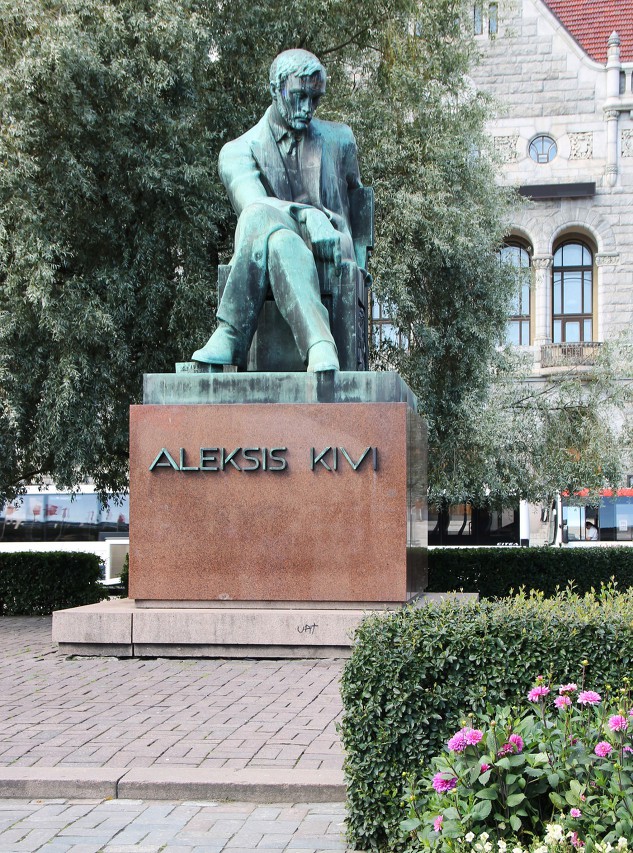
285,246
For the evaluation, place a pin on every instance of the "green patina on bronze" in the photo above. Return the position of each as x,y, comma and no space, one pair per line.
195,388
302,238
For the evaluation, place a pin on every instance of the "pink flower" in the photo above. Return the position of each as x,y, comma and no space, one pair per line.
485,767
506,749
567,688
562,702
618,723
442,785
603,748
463,738
473,736
627,749
517,740
589,697
575,812
437,823
537,693
576,842
458,742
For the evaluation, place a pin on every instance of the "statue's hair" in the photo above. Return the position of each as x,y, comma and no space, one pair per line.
295,61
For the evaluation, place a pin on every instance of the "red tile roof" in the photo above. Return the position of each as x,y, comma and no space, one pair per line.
591,22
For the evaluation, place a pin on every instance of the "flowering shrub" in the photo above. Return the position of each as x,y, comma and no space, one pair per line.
555,775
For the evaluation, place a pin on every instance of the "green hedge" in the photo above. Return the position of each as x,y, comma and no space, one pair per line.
413,675
495,572
34,583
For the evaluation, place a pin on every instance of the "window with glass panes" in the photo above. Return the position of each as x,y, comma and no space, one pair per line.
572,293
518,331
382,328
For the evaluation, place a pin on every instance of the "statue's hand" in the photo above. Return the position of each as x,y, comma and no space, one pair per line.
324,239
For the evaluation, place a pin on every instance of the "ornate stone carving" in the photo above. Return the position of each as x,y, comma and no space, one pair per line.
542,262
627,143
506,147
607,259
581,146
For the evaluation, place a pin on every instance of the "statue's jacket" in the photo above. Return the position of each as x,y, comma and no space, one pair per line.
252,170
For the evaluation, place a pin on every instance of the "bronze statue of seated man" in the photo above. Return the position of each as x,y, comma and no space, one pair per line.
289,180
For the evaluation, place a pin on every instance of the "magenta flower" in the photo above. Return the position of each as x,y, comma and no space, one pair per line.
562,702
506,749
463,738
627,749
576,842
437,823
537,693
458,742
473,736
603,748
589,697
442,785
567,688
575,812
485,767
517,740
618,723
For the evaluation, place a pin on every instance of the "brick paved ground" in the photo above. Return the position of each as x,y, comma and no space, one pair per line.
104,712
133,826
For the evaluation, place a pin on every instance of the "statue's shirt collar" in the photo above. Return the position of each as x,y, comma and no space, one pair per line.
285,138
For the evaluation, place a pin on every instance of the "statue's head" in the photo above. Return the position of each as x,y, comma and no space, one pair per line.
297,82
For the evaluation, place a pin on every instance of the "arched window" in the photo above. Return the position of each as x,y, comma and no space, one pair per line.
518,331
572,293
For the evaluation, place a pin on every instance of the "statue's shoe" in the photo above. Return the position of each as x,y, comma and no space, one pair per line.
321,357
223,347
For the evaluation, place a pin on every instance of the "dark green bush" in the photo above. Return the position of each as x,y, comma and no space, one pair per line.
495,572
34,583
125,576
414,674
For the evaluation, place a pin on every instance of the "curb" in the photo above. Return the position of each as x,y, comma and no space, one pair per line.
256,785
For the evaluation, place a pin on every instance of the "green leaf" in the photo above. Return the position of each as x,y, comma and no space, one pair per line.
487,794
481,810
515,799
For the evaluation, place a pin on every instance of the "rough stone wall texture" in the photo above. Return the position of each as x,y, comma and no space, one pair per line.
544,83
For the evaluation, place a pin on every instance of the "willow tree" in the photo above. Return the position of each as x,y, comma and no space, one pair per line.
113,220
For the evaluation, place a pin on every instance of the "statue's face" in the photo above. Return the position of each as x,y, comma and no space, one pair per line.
296,100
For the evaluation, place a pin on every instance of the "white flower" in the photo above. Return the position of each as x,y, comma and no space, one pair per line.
487,847
542,849
470,836
554,833
622,844
502,846
484,837
517,850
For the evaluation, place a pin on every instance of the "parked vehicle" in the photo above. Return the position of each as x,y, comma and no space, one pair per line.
574,523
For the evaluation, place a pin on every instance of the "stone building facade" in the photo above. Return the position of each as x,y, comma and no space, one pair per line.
561,72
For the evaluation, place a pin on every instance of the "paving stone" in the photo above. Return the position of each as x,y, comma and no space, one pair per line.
105,712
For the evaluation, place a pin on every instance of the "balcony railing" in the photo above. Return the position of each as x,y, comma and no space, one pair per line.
569,355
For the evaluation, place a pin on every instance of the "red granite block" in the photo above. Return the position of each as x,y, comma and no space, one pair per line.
246,504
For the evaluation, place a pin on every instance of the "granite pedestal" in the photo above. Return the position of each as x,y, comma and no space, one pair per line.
271,525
